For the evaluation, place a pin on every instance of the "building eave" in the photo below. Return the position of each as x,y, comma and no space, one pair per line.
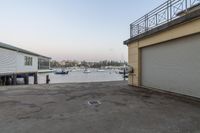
13,48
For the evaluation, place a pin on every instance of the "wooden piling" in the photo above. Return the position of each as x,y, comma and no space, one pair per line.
4,80
26,79
0,81
35,78
47,79
124,74
8,81
14,79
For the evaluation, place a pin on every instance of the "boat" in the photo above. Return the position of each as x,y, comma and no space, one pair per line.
125,76
122,72
86,71
63,72
73,70
46,71
100,70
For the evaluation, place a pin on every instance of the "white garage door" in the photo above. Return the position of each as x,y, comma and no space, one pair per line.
173,66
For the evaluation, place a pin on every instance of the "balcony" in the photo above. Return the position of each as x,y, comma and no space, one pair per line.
166,12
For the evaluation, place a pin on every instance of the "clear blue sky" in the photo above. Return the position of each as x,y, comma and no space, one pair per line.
71,29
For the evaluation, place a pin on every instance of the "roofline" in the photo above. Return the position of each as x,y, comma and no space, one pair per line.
186,18
13,48
45,57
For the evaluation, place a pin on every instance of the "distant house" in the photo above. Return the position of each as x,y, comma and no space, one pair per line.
15,60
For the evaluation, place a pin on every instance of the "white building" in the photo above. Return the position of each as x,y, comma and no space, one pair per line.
17,61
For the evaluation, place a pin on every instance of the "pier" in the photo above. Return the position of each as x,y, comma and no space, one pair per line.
101,107
11,79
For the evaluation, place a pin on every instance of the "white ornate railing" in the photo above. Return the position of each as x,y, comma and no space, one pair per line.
166,12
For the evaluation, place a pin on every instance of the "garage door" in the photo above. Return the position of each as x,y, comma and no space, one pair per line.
173,66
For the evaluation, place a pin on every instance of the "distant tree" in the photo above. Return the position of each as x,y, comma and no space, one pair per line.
100,64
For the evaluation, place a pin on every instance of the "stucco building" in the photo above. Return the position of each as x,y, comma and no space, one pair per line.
164,48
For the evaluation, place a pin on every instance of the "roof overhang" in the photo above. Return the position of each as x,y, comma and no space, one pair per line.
13,48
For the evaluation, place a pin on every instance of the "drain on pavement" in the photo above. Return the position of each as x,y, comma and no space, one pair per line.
94,102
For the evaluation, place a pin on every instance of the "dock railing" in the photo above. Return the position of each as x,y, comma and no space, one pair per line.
165,13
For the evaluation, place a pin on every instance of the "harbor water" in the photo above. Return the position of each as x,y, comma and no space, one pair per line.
79,76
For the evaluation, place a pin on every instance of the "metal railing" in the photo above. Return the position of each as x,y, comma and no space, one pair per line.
166,12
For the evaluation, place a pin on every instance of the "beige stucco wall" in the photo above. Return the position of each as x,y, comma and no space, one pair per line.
133,59
173,33
178,31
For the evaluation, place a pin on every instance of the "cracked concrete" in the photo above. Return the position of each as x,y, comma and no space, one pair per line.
63,108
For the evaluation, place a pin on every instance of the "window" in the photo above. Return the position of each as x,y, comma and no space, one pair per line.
28,61
43,63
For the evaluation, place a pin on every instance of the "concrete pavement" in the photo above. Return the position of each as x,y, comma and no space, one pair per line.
64,108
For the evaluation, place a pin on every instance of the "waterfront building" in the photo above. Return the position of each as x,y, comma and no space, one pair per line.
16,62
164,48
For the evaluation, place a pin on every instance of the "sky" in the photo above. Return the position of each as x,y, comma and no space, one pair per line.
90,30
